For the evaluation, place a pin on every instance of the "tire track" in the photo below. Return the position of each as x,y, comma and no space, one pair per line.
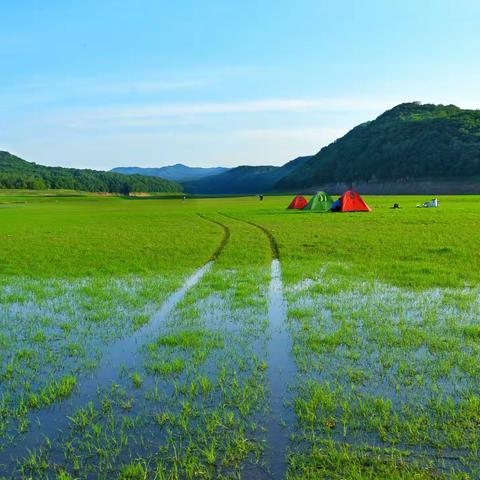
226,236
52,421
281,371
271,239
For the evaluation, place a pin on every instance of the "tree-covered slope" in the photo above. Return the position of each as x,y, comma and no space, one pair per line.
409,142
244,179
18,173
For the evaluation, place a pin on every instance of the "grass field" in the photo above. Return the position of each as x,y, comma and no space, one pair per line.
354,357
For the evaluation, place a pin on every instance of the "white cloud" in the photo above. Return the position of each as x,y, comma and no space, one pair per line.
296,133
44,91
156,115
247,106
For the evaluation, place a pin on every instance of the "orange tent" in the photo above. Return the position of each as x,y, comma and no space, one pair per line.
351,201
298,203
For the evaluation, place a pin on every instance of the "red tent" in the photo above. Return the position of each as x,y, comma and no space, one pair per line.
298,203
351,201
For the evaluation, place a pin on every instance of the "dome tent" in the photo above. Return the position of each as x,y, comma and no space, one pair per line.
298,203
320,202
350,201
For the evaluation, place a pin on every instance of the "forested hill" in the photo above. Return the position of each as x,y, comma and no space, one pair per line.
244,179
409,142
18,173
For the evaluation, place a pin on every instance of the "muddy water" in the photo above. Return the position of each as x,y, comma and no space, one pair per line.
123,353
280,375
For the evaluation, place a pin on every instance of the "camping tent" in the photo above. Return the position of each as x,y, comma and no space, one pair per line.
351,201
321,202
298,203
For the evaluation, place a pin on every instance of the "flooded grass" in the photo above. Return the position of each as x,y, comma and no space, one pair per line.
387,368
354,356
55,330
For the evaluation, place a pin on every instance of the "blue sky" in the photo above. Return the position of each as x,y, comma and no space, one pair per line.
100,84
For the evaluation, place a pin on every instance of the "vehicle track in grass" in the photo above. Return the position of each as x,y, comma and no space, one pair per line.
50,422
271,239
281,369
226,236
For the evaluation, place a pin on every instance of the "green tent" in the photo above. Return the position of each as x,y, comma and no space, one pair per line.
321,202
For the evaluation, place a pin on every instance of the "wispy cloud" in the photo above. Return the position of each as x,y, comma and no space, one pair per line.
43,91
294,133
246,106
124,87
156,115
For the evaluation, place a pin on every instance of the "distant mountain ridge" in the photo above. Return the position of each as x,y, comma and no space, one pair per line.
244,179
18,173
412,143
178,172
411,148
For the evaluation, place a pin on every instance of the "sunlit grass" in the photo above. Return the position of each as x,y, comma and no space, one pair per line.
383,312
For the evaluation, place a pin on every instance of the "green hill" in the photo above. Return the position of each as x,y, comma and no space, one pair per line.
244,179
18,173
408,143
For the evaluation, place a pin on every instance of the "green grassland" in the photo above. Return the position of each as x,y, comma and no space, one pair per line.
91,235
411,246
383,311
98,236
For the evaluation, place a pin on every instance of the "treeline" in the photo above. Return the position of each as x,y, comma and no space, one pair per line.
17,173
409,142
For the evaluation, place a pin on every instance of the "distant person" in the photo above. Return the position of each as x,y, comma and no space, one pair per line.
435,202
184,197
261,197
396,205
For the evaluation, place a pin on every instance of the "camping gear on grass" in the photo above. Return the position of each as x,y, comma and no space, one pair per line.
320,202
427,204
350,201
298,203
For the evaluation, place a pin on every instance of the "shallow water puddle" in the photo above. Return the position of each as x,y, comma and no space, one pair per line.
390,368
123,353
280,374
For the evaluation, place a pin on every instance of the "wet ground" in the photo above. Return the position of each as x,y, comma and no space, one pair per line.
234,374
